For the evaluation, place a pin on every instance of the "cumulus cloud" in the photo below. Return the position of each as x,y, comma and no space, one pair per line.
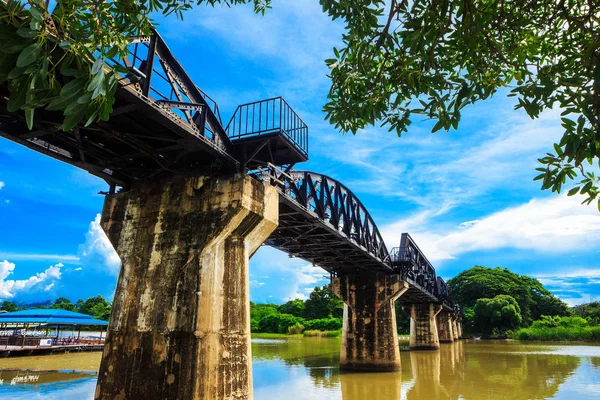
2,184
97,251
556,224
9,288
276,277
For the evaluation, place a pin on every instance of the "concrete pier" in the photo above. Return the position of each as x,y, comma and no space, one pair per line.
455,329
445,327
180,324
423,326
369,335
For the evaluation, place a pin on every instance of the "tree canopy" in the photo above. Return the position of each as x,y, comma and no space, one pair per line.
400,60
480,282
497,315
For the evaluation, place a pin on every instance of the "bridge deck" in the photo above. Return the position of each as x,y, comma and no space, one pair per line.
163,123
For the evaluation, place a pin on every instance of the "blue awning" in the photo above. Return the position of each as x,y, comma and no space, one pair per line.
49,317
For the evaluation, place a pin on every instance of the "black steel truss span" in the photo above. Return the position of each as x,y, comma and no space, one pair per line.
323,222
161,122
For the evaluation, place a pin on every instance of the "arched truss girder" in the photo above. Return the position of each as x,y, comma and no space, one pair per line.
324,222
337,206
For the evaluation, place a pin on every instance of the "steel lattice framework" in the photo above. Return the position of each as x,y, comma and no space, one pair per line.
162,123
322,221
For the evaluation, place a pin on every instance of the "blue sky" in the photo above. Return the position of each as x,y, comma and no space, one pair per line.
467,196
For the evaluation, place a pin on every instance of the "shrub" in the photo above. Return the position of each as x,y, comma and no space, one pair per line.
278,323
324,324
295,329
317,333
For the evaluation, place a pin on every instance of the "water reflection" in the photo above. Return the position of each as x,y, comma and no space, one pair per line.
48,385
307,369
487,372
380,386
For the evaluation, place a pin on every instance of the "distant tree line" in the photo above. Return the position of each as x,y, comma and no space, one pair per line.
322,311
496,301
96,306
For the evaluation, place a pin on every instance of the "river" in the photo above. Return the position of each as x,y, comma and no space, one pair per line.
307,368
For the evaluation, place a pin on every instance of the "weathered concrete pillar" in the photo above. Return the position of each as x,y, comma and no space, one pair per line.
180,324
369,335
423,326
445,327
459,327
455,335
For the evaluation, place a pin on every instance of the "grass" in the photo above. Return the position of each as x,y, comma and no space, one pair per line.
264,335
560,333
316,333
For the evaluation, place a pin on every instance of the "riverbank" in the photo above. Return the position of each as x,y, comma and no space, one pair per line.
588,334
308,333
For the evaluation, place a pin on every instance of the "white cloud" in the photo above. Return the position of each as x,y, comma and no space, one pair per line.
284,278
78,269
2,184
10,288
48,287
97,251
557,224
68,258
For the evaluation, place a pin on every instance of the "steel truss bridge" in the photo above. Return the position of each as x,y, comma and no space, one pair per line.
163,123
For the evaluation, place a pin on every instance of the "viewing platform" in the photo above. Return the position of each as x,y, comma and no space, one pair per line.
268,131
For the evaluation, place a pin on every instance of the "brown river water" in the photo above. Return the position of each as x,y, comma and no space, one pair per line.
307,368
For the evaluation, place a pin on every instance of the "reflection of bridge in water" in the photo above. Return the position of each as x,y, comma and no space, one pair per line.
468,371
184,216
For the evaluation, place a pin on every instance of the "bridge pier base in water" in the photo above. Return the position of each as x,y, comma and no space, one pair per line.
369,333
423,326
180,323
445,327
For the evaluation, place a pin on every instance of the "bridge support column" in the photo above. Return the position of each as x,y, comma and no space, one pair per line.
369,335
180,323
445,327
423,326
454,320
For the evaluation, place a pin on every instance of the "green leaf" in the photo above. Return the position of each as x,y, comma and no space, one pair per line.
14,47
29,55
26,33
29,117
437,126
573,191
36,13
97,66
72,120
18,96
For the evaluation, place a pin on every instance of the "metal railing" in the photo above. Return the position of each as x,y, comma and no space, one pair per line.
267,117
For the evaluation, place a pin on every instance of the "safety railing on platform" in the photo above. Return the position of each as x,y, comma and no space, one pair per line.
266,117
158,76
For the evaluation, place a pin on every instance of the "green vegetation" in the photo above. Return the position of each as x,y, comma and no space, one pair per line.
486,283
496,301
96,306
399,60
321,312
318,333
560,329
589,311
497,315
